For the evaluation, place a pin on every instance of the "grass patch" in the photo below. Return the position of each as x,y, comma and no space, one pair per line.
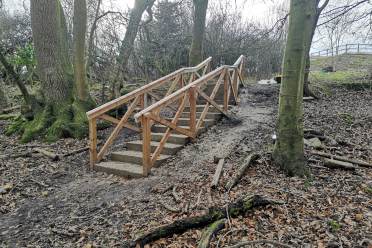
334,225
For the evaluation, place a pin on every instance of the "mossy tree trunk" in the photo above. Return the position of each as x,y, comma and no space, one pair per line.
198,31
289,148
63,111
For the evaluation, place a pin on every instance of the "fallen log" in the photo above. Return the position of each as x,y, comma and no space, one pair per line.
242,169
218,173
336,164
240,207
211,232
345,159
51,155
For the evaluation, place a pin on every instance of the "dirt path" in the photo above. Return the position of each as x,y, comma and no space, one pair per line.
66,206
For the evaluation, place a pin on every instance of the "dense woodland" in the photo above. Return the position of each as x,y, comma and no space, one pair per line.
288,166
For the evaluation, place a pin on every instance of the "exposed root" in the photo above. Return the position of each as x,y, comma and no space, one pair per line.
54,122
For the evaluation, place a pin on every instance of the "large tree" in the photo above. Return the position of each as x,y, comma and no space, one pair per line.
289,148
62,109
198,31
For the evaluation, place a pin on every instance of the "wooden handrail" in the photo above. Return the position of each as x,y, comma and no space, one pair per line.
138,96
231,76
94,113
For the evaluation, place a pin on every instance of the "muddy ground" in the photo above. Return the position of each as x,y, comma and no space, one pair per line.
63,204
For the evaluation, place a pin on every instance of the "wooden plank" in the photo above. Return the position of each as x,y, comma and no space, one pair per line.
192,101
116,121
171,125
213,94
226,95
218,172
93,142
178,94
168,132
146,139
117,129
213,103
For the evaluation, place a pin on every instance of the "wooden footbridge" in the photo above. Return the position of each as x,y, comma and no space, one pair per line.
168,113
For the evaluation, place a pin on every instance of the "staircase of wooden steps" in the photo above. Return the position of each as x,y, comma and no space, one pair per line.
128,163
193,100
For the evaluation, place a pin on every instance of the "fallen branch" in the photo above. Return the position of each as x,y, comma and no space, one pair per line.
19,155
263,241
196,205
175,196
242,169
336,164
9,110
51,155
170,208
211,232
345,159
77,151
5,117
240,207
218,172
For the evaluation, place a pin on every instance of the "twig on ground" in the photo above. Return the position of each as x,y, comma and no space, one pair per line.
262,241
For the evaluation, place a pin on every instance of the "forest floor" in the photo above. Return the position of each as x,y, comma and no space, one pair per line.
63,204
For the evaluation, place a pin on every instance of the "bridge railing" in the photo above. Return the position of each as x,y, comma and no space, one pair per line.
344,49
229,77
138,100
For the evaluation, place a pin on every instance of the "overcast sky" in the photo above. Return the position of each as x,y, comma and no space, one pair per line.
258,11
252,9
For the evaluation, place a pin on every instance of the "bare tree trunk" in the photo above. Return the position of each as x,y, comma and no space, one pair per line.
79,31
91,37
130,34
200,12
9,69
289,148
313,23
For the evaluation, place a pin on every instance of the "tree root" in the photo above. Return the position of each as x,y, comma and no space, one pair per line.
240,207
210,232
54,122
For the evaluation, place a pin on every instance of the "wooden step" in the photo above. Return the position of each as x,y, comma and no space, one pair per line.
179,139
186,121
213,115
169,148
162,129
200,108
120,169
135,157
